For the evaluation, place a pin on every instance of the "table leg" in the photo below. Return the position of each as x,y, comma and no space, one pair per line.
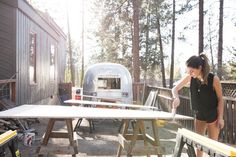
134,137
143,132
156,136
123,132
178,146
50,134
48,131
71,135
46,137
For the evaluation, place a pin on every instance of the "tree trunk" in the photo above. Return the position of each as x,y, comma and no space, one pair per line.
210,46
135,42
70,52
201,27
82,50
147,41
172,47
220,42
135,48
161,51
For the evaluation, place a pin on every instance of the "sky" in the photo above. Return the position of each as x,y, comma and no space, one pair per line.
190,47
57,10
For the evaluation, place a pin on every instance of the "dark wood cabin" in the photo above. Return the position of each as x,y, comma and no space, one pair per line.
32,54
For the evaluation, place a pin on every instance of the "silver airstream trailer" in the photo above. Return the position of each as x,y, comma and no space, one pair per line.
108,81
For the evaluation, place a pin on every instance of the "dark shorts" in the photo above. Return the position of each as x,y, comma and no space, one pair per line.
208,116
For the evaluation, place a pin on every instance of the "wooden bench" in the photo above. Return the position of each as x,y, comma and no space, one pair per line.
209,146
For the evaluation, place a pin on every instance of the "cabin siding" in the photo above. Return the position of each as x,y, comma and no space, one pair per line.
7,42
44,87
18,20
61,59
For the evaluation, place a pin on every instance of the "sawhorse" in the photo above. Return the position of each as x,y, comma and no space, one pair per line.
91,125
8,139
194,140
127,141
52,134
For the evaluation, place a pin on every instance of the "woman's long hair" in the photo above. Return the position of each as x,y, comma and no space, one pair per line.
197,61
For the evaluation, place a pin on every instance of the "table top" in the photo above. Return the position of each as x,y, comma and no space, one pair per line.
120,105
68,112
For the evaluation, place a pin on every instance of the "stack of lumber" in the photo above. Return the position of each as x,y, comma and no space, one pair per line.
13,124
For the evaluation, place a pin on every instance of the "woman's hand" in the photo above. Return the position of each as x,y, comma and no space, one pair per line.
175,102
220,123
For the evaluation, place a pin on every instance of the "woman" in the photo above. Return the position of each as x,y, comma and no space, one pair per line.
206,97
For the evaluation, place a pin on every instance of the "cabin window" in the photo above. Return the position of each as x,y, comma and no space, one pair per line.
108,83
52,62
32,59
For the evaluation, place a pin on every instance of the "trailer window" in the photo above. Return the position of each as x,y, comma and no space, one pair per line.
108,83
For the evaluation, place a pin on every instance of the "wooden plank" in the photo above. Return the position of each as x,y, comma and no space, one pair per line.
156,137
145,141
134,137
130,136
13,91
5,122
151,140
128,141
48,131
230,122
228,119
71,149
101,98
234,125
165,97
123,142
58,134
209,144
68,112
125,126
5,137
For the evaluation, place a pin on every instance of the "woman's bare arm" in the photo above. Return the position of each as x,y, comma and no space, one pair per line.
218,89
179,85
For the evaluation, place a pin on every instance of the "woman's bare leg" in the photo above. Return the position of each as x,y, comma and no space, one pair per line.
200,128
213,130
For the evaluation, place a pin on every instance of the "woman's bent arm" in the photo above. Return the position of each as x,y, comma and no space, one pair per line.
180,84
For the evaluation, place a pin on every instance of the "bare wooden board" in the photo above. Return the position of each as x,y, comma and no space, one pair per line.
219,148
121,105
99,98
57,111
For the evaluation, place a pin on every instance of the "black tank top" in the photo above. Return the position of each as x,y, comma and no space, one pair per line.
203,96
